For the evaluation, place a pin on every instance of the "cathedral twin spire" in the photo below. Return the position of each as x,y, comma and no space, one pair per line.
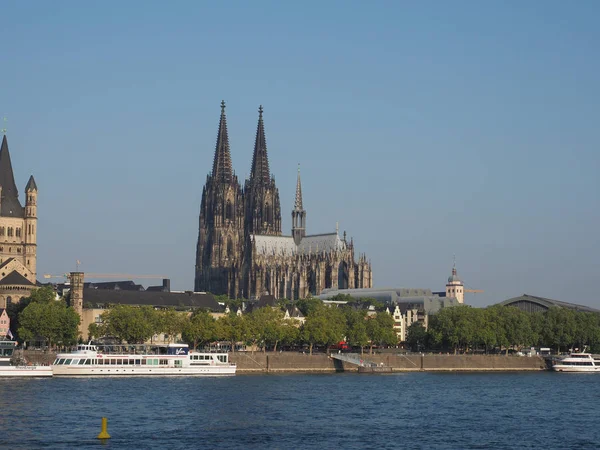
260,160
222,167
222,170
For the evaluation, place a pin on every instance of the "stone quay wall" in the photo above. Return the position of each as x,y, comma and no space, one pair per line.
270,362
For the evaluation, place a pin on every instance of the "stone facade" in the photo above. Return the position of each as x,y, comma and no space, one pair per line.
241,251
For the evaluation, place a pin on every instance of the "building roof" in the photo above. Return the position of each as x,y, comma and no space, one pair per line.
285,245
9,200
321,242
6,262
16,279
266,300
545,303
125,285
150,298
31,186
294,312
274,245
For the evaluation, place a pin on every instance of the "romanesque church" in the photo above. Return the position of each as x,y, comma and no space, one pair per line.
18,233
241,251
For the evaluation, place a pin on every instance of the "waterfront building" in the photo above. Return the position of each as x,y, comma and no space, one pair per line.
241,251
18,234
532,304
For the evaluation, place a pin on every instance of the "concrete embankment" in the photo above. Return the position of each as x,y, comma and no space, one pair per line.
320,363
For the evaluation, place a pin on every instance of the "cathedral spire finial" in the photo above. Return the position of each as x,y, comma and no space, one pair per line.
4,130
454,266
222,170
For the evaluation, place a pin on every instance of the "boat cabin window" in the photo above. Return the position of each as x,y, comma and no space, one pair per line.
222,358
83,361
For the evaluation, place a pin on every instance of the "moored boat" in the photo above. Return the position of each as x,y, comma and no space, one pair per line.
12,365
577,362
141,360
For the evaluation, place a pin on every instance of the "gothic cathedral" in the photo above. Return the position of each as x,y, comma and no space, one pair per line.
241,251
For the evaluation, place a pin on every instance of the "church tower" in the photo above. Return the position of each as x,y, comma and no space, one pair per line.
263,210
30,228
298,214
220,236
455,287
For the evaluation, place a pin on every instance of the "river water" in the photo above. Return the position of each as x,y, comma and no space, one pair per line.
342,411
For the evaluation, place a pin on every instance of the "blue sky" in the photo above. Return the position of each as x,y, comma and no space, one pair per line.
426,129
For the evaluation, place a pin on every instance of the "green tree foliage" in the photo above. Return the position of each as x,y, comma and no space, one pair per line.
45,294
467,329
199,329
380,330
324,325
170,322
233,328
308,305
416,336
266,327
356,328
132,324
51,321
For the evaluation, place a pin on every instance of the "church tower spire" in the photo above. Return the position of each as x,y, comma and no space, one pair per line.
263,210
222,171
260,160
10,206
298,214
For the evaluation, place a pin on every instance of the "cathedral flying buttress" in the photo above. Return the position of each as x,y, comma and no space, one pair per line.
241,251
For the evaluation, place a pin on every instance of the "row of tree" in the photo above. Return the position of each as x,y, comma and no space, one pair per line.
264,328
464,329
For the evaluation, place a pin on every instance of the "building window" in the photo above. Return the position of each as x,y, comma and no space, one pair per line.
18,232
8,300
18,249
10,231
2,231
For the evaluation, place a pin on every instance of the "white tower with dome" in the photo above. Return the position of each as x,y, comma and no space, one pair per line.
455,287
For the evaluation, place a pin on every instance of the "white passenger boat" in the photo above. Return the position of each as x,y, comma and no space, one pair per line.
578,362
141,360
11,365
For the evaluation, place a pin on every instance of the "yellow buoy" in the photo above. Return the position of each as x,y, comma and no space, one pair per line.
103,433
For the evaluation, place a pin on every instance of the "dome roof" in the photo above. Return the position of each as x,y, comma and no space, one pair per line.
454,278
